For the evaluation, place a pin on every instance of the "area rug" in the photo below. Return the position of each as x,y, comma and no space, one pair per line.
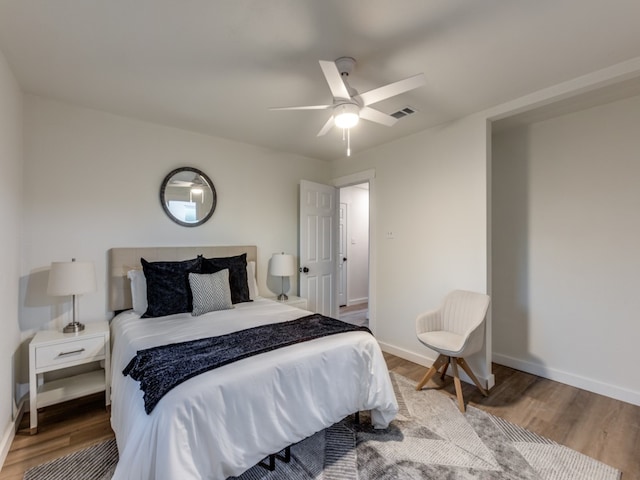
429,439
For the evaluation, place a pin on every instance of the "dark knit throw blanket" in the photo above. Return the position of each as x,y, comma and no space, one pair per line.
159,369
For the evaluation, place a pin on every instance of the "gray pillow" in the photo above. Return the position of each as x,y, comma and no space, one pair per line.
211,292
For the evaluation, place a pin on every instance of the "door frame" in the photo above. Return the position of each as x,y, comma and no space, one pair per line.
366,176
343,267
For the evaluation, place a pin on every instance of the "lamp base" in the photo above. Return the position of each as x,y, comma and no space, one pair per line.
282,297
73,327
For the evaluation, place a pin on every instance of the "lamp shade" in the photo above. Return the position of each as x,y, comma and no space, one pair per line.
282,265
71,278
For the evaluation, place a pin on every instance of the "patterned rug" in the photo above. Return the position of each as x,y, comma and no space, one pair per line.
429,438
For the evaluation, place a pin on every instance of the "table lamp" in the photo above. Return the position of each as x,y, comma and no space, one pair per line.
71,278
282,265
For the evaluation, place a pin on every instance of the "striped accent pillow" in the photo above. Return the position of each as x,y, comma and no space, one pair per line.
211,292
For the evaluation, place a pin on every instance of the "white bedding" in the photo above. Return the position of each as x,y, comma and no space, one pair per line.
222,422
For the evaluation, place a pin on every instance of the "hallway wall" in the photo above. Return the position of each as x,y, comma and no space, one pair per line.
357,199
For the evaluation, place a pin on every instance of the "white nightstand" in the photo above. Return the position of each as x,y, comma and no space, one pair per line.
53,350
293,301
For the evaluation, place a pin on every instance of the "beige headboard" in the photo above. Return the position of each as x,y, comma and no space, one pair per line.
121,260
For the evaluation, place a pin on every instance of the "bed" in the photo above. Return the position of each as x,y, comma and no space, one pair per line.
222,422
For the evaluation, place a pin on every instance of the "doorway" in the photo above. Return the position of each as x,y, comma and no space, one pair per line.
353,255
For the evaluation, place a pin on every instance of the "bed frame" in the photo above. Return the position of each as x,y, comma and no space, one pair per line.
121,260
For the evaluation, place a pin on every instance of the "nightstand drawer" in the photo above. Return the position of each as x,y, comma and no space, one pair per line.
73,351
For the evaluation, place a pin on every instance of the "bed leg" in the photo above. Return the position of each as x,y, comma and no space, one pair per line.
271,466
287,455
272,463
356,418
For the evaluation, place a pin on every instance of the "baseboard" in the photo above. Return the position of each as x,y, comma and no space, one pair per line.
406,354
357,301
578,381
426,361
10,433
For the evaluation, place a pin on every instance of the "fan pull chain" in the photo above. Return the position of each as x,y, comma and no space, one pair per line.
346,136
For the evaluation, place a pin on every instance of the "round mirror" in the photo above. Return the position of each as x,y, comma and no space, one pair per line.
188,196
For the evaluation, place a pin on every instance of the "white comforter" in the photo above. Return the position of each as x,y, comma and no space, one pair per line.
222,422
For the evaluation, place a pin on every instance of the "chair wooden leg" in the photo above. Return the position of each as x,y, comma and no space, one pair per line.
456,381
467,369
442,359
444,370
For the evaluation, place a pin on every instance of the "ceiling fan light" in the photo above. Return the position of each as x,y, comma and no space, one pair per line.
346,115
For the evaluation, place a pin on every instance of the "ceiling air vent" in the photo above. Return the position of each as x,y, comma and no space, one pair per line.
404,112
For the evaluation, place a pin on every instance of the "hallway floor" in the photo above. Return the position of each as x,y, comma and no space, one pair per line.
355,314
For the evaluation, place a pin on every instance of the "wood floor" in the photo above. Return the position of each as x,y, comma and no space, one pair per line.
603,428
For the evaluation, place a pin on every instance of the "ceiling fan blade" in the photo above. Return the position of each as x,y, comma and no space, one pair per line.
327,126
382,93
377,116
303,107
334,79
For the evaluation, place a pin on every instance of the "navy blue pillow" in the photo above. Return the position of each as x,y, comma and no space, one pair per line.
237,274
168,290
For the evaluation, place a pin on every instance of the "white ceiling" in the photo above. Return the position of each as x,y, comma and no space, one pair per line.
216,66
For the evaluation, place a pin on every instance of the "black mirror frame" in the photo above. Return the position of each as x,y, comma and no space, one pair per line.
163,187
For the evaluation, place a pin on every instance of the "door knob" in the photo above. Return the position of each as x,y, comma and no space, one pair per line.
304,270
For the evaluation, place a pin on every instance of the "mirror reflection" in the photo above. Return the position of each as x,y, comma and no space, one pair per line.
188,196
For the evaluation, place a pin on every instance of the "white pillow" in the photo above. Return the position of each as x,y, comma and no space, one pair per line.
138,291
251,280
211,292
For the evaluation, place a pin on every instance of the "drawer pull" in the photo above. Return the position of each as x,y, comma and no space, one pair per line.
73,352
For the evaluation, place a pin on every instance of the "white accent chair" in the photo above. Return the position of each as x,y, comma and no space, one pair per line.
455,330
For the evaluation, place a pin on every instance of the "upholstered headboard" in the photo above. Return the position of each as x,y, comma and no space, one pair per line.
121,260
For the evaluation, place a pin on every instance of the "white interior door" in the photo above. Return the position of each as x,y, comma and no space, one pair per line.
342,255
318,247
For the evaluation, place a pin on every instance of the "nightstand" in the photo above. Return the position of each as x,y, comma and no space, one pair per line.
293,301
53,350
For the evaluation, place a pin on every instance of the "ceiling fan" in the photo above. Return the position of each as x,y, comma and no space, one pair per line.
348,105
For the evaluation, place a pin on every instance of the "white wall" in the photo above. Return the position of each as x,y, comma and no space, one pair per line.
430,191
92,182
566,233
357,252
10,240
